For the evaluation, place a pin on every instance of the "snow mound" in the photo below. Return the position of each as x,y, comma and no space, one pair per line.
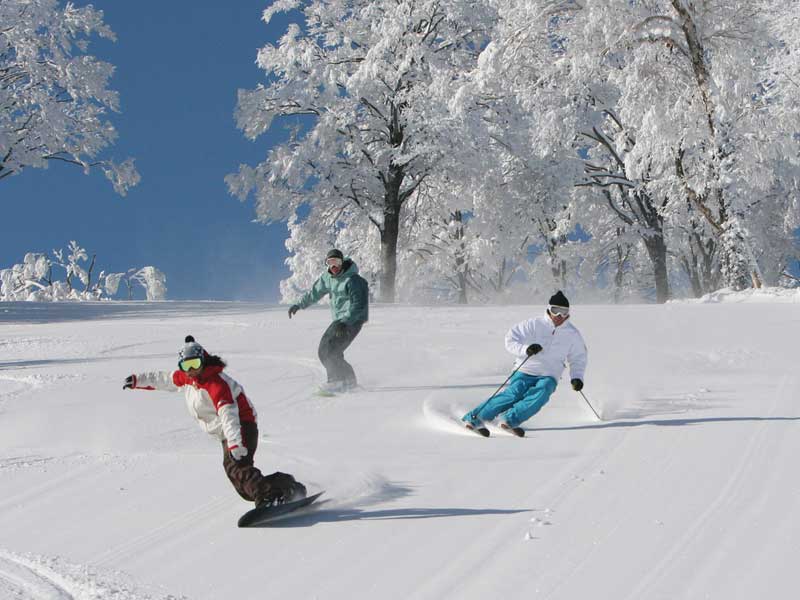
769,294
39,578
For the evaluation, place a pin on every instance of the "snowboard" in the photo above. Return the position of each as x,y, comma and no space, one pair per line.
261,516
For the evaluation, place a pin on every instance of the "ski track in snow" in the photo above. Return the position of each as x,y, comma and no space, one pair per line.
726,496
166,533
12,386
37,578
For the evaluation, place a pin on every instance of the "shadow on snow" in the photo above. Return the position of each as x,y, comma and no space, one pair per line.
661,423
333,515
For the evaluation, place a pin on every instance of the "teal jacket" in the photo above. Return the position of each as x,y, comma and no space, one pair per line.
349,294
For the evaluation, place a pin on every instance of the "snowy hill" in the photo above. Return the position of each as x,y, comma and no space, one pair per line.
689,487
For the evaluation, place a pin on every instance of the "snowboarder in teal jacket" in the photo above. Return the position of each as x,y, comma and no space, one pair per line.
349,294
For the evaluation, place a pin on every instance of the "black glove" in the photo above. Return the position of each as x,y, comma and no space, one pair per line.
340,330
130,382
577,384
533,349
293,309
281,487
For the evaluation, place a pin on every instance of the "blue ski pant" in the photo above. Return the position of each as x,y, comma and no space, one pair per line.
523,397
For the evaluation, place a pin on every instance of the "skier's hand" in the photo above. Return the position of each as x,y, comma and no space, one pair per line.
130,382
340,330
533,349
577,384
237,452
293,310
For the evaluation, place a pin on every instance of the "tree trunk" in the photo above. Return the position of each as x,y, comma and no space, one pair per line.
657,251
389,235
462,289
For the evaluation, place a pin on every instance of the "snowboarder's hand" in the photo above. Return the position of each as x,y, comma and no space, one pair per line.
340,330
293,310
130,382
533,349
577,384
237,452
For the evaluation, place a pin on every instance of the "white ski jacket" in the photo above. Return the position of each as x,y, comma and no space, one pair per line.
216,400
559,345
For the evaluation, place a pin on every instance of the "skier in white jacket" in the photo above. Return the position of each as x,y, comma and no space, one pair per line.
542,346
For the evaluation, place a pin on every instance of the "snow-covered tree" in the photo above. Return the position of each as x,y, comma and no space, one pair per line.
153,281
366,85
54,95
32,280
691,129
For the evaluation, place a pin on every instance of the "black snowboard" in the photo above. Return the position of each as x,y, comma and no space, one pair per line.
260,517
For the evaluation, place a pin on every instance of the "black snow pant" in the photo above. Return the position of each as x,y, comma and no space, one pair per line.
247,480
331,352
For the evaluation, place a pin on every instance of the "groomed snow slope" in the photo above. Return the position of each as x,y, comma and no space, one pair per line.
689,488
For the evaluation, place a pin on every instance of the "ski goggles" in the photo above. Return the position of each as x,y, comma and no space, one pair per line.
334,262
561,311
190,363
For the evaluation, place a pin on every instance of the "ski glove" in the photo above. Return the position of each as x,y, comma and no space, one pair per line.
340,330
237,452
130,382
577,385
293,310
533,349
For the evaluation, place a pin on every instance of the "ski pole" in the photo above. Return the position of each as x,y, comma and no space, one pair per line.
590,405
480,408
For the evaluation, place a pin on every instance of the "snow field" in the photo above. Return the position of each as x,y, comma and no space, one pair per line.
686,489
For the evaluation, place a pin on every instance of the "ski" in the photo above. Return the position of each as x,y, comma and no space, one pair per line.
517,431
482,431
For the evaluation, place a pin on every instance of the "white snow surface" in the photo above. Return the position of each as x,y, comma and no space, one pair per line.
689,488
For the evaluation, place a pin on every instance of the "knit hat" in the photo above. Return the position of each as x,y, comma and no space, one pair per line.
559,299
191,349
334,254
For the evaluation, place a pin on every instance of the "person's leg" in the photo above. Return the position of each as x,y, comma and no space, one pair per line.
249,482
349,375
331,352
327,352
532,402
242,473
502,401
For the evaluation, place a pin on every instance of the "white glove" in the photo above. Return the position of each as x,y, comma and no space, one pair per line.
238,452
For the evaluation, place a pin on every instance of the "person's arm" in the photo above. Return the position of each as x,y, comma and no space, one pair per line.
228,413
165,381
357,300
519,338
577,357
315,294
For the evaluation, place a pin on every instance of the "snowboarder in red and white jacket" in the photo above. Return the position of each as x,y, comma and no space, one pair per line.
223,410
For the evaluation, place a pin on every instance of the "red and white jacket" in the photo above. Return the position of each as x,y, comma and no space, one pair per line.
216,400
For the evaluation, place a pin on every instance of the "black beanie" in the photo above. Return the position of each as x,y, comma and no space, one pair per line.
559,299
334,254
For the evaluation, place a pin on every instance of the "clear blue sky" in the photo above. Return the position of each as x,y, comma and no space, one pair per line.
178,67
